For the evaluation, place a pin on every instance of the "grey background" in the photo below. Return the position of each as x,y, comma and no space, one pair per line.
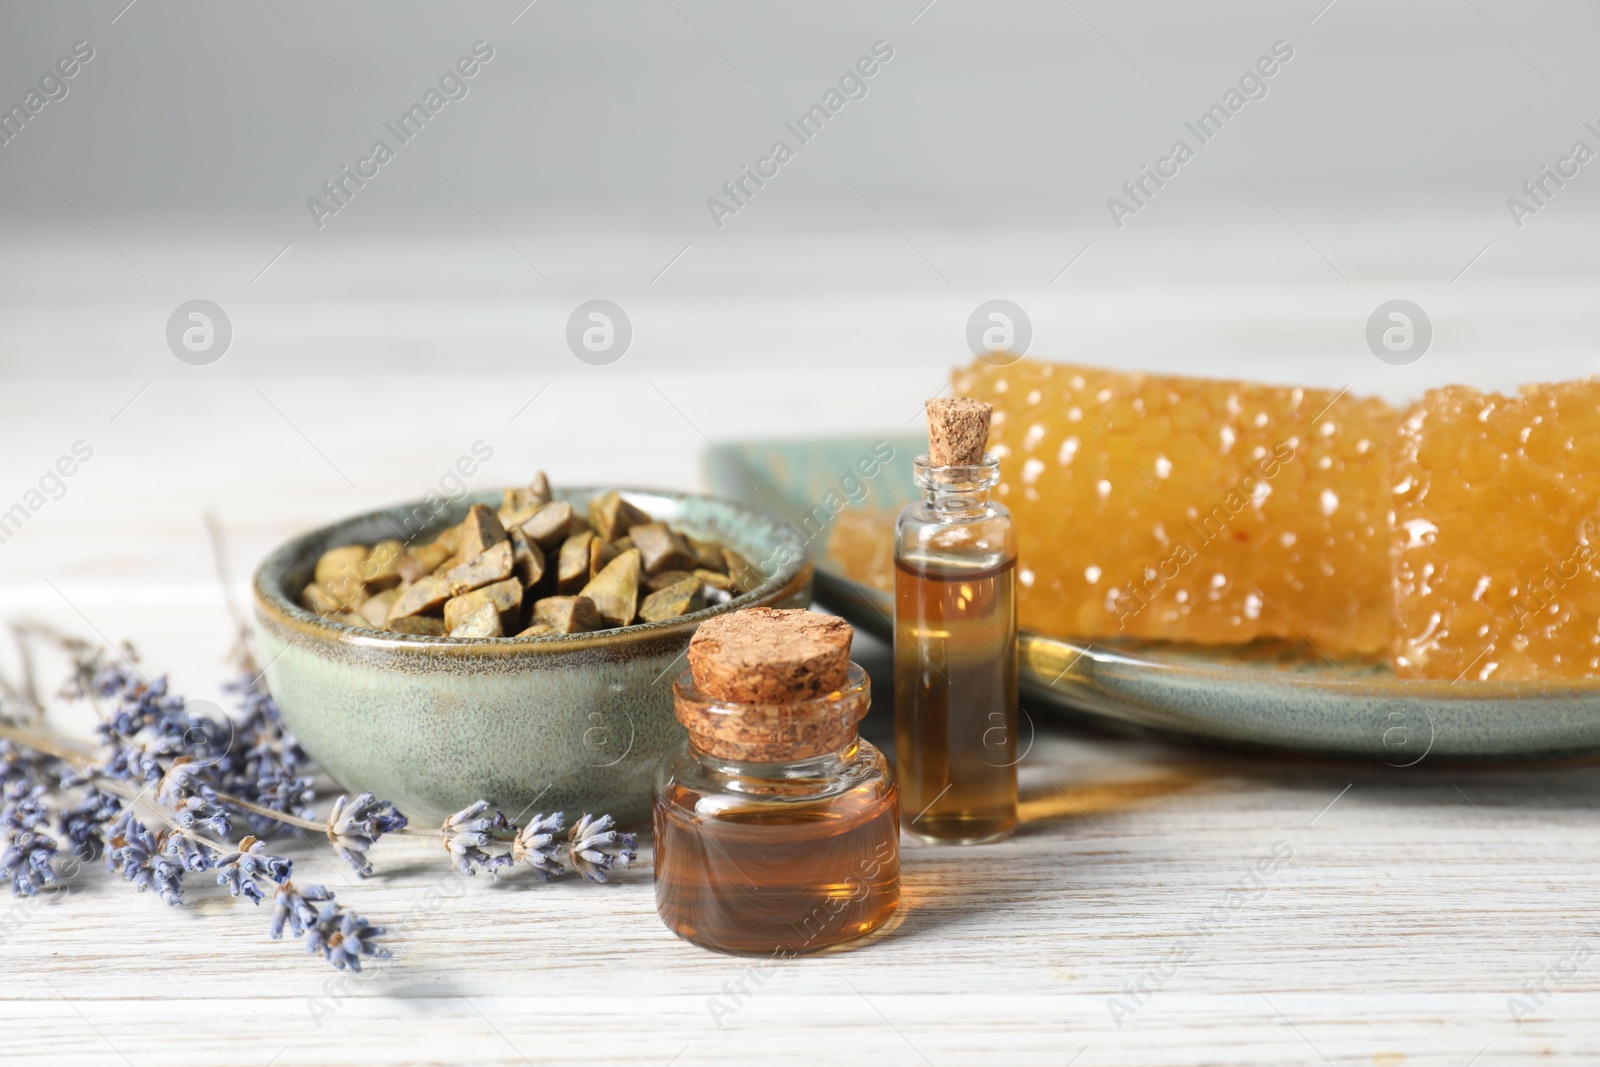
195,107
977,167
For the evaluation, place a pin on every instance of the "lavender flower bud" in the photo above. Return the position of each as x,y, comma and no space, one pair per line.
594,847
192,854
354,827
204,814
85,825
536,845
16,765
294,907
344,937
243,871
136,853
465,833
28,857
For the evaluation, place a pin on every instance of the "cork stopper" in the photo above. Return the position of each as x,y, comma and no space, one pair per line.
958,429
766,685
770,655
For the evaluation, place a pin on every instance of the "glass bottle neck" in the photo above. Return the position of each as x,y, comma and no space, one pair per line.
813,766
956,492
948,503
795,739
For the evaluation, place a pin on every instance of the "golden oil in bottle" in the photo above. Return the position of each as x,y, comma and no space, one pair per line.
955,646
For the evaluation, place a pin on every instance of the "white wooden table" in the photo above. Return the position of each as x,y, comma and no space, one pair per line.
1121,926
1410,908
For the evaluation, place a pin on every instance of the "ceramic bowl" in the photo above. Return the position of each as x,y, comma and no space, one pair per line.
568,723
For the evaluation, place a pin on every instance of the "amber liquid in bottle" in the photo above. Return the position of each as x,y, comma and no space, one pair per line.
955,686
765,877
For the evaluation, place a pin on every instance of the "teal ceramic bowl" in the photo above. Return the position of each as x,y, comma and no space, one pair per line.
569,723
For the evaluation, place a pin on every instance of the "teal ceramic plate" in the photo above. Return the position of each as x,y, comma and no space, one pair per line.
1263,694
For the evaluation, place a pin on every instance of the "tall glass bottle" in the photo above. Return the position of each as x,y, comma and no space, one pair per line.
955,652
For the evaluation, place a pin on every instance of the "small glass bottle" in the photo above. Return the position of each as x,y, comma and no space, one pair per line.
955,647
776,826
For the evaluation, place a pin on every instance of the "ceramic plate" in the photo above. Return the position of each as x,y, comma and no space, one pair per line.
1262,694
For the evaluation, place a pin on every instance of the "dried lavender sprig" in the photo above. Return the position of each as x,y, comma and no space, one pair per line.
266,769
345,937
244,869
188,785
153,745
153,742
592,848
159,859
342,936
102,806
27,856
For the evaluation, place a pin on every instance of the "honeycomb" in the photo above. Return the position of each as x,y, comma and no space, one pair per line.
862,544
1192,510
1496,501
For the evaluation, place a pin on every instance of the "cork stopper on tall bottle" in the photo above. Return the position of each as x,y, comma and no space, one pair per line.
958,430
768,685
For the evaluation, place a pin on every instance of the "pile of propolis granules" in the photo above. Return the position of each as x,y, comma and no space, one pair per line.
534,568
